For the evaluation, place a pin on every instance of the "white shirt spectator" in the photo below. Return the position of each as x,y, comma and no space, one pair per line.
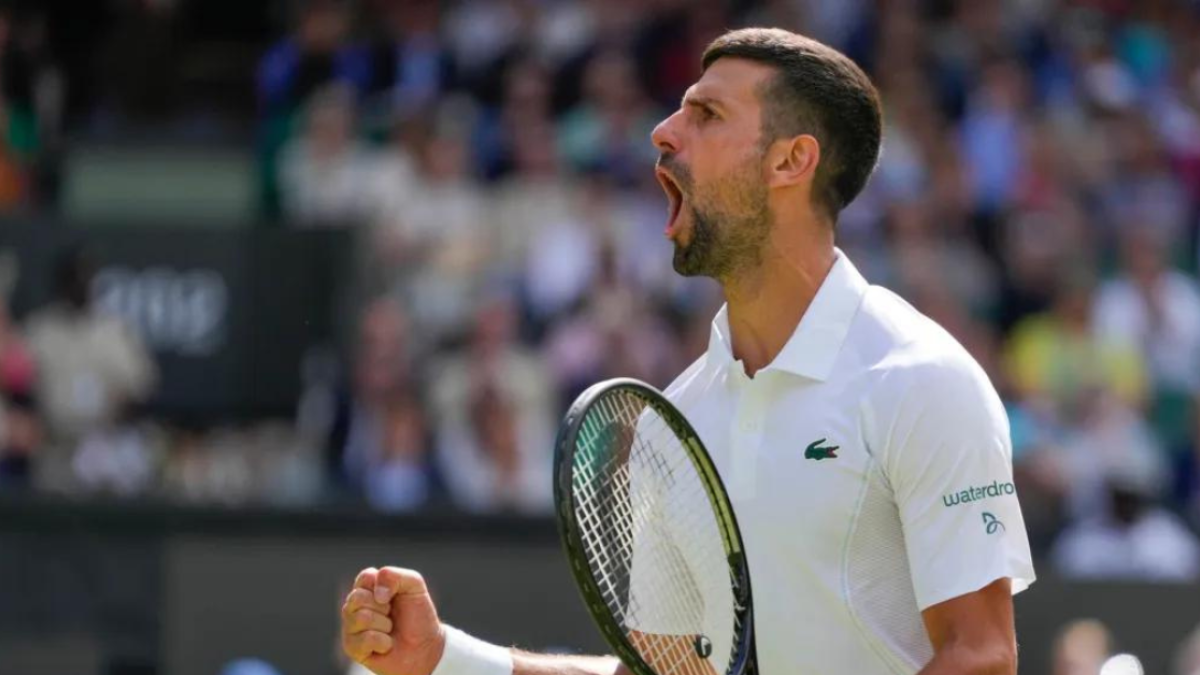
325,190
1169,338
90,365
1157,547
468,453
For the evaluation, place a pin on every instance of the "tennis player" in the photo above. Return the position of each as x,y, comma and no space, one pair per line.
866,454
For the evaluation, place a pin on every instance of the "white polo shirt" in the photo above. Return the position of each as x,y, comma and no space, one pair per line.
870,469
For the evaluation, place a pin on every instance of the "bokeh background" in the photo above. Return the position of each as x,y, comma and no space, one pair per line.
292,288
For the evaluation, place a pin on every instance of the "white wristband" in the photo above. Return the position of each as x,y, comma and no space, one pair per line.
466,655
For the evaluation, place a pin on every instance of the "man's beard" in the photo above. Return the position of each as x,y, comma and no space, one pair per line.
726,238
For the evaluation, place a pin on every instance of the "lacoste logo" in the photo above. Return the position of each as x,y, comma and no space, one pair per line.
814,451
992,523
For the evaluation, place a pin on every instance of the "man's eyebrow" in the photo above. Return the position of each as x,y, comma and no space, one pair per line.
699,100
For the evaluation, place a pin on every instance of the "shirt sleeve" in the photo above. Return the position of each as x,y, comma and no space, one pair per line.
949,462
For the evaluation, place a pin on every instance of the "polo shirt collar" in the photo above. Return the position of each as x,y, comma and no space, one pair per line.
814,346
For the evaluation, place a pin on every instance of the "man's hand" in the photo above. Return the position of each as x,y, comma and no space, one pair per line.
389,623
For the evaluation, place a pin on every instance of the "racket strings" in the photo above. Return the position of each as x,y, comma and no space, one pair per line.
630,411
651,538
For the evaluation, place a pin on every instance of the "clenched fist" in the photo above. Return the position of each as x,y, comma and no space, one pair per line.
389,623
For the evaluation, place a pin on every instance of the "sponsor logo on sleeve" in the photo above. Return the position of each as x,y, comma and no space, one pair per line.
978,492
992,523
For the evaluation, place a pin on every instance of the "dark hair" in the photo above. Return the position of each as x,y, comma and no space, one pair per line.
817,90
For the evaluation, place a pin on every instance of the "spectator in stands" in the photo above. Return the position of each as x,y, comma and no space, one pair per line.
1055,357
667,42
1051,175
389,179
213,467
13,179
44,141
318,53
1104,439
324,173
515,146
380,440
1081,647
563,256
20,429
482,33
501,483
1074,400
1144,191
525,103
609,127
1156,308
1131,538
1035,247
939,267
494,408
404,477
25,106
613,331
992,134
435,247
412,67
93,373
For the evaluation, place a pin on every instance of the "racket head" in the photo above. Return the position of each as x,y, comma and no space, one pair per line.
602,440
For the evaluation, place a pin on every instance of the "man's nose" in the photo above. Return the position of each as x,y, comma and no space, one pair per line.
665,136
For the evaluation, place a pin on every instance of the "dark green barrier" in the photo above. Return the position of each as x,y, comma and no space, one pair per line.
178,591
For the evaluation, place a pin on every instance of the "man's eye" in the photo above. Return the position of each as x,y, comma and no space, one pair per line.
707,113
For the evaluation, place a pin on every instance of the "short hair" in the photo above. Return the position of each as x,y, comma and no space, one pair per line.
816,90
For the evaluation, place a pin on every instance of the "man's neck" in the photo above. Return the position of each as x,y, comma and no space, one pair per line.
767,303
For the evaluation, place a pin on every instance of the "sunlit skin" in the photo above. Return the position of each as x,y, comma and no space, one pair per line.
745,215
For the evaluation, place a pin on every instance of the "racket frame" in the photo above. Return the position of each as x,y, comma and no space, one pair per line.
571,533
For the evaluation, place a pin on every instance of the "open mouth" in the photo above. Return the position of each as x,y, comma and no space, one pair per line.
674,199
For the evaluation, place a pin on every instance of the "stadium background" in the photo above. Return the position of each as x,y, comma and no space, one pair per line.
292,288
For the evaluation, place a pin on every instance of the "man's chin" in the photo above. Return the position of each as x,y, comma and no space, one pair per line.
687,263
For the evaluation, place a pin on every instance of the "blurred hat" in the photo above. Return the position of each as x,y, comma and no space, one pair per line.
249,667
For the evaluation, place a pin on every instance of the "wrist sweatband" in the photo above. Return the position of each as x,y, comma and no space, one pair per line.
466,655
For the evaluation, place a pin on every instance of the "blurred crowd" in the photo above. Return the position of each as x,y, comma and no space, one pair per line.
31,102
1087,646
1038,195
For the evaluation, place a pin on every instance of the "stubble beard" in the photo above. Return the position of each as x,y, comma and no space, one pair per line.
728,233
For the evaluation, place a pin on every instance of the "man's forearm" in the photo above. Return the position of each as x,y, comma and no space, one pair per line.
526,663
969,661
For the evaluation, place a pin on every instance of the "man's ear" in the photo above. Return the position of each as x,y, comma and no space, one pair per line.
792,161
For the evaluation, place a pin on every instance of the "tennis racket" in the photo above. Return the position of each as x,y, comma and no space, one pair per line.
650,535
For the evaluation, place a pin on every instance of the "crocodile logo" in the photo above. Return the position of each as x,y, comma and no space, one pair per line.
815,451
